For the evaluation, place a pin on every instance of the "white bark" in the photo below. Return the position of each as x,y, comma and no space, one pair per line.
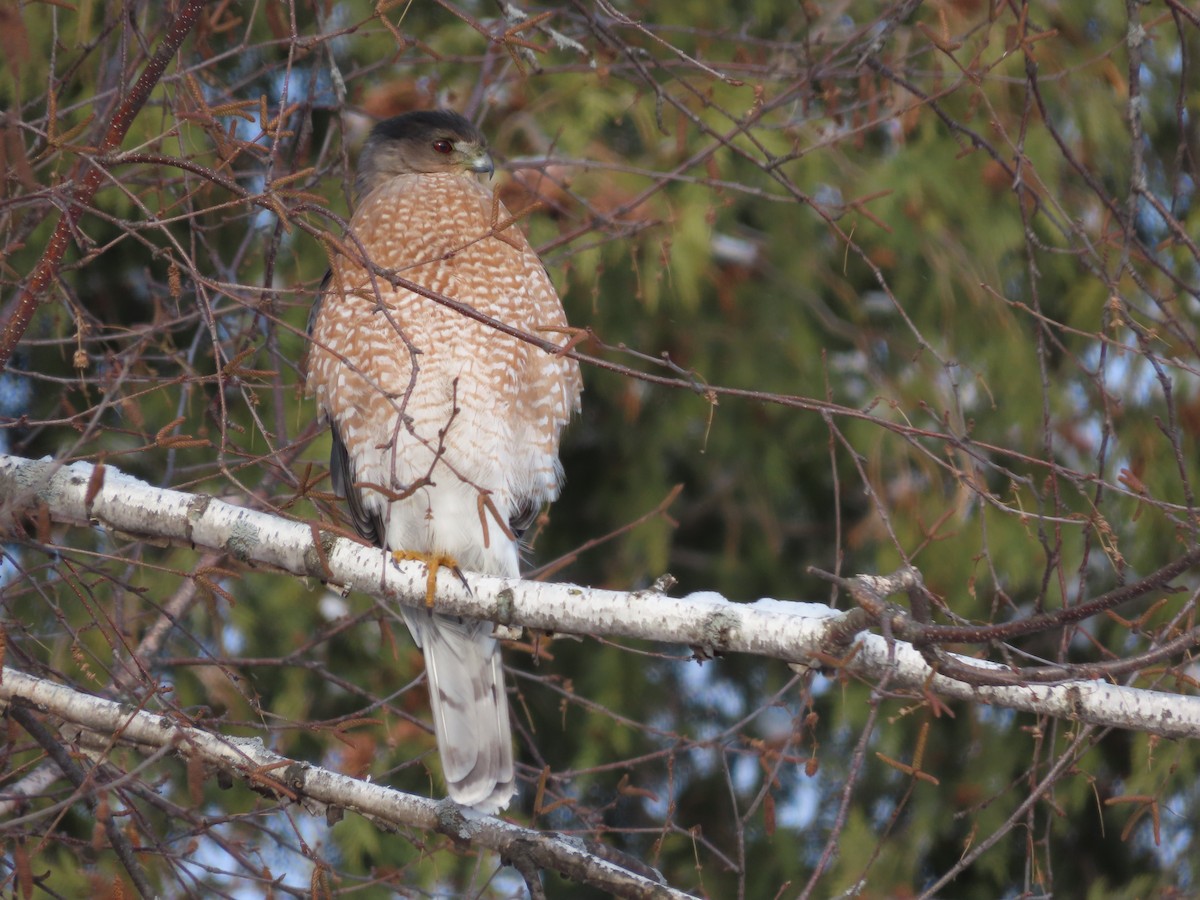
319,790
796,632
31,785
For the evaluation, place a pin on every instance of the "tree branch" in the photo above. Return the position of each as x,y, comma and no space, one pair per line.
797,632
870,592
323,792
87,787
87,185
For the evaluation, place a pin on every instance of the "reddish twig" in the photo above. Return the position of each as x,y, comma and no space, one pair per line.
31,297
870,593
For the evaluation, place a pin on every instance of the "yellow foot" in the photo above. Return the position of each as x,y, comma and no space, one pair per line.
433,561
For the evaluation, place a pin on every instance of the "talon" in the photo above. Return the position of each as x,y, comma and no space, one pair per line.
433,561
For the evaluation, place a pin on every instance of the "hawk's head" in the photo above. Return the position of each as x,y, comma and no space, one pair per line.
426,141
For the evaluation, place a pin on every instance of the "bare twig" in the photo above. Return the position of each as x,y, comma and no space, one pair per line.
88,178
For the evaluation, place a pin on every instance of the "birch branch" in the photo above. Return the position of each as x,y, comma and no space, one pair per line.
325,793
796,632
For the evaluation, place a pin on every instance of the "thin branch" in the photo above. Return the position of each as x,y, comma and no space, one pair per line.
47,269
87,787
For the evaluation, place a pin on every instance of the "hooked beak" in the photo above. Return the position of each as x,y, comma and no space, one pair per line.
481,163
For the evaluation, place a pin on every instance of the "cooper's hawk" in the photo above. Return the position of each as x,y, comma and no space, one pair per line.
445,429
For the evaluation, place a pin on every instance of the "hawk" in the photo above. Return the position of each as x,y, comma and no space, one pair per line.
445,429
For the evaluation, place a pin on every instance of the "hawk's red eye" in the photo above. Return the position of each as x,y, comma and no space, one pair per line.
443,146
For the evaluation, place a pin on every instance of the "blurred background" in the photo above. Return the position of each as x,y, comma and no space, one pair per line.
916,283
